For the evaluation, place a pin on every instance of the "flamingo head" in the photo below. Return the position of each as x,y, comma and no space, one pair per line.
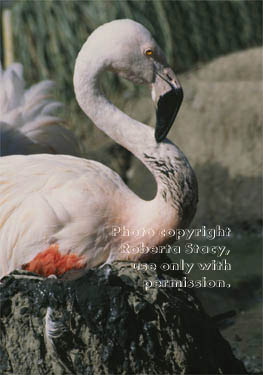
128,48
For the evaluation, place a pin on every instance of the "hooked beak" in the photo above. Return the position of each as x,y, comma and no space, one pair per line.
167,94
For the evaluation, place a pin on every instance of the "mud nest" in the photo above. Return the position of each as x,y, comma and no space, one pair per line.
106,322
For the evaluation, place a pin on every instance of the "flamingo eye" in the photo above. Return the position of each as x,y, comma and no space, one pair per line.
148,52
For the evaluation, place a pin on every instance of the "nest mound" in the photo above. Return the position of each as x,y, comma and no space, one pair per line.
106,322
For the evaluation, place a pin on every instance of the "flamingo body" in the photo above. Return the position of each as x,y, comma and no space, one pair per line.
57,202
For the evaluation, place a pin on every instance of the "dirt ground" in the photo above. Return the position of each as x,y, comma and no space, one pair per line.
243,328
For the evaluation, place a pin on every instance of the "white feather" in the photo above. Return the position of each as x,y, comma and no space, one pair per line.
28,121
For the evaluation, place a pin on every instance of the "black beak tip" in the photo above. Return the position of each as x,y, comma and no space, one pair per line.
159,137
167,109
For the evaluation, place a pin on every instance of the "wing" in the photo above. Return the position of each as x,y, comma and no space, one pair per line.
46,199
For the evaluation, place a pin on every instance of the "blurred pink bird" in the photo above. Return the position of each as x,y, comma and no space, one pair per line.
28,121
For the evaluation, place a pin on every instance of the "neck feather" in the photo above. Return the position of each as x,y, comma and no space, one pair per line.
124,130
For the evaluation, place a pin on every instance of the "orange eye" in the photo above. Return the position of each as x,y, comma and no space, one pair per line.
148,52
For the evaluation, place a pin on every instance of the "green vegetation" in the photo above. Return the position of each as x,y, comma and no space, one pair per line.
48,34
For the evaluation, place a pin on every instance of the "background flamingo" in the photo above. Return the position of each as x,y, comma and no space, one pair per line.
28,120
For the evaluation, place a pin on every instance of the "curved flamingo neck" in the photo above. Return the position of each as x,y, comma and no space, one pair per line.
131,134
136,137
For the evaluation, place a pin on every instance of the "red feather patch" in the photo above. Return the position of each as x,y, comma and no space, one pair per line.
52,262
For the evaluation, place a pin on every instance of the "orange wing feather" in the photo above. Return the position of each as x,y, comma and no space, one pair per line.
52,262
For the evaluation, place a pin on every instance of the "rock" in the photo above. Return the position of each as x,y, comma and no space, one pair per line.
234,67
246,337
106,322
